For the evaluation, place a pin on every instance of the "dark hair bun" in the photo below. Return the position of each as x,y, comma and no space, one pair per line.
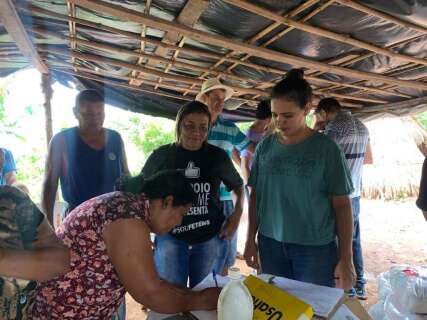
295,74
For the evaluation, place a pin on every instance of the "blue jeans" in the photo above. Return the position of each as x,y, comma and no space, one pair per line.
227,256
357,246
178,262
121,312
314,264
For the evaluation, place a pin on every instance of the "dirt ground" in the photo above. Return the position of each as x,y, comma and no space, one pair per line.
392,233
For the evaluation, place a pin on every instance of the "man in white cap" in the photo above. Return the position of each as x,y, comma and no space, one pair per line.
226,135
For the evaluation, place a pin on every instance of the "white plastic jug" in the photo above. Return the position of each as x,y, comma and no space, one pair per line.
235,300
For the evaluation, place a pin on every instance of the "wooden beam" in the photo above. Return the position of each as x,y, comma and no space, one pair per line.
141,44
258,36
33,9
122,64
365,9
130,66
137,54
188,17
305,19
72,26
121,85
110,74
205,37
166,86
349,62
347,39
14,27
46,86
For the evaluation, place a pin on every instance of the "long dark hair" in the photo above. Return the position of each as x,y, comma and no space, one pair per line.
293,87
160,185
189,108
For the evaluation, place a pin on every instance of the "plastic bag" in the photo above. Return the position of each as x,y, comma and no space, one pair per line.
402,294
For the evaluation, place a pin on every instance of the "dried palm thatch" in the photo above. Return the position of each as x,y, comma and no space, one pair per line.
396,171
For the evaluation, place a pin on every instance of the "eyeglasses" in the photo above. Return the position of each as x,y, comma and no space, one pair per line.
194,128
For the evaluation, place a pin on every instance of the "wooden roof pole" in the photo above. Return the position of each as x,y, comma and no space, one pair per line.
188,16
287,30
121,51
202,53
132,53
133,81
119,63
164,84
368,55
323,32
46,86
14,27
156,73
71,7
131,15
258,36
122,85
360,7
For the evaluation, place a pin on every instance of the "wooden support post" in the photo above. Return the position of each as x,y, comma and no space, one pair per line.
47,92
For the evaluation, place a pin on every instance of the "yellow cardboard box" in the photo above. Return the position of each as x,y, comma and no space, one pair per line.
272,303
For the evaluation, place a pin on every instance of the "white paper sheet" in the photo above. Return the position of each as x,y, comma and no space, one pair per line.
322,299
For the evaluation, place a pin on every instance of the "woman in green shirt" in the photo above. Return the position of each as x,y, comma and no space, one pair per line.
299,205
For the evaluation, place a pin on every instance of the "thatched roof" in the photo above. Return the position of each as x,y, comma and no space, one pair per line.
150,56
396,171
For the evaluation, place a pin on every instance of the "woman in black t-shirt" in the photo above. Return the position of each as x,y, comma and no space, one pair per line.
190,251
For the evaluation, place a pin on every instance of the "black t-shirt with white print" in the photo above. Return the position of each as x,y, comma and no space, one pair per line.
205,168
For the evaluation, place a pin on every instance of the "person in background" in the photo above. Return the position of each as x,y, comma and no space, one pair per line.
87,159
422,196
29,251
299,203
7,168
108,252
256,132
190,252
226,135
352,136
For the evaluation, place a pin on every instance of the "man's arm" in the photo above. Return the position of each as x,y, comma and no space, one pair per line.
129,247
52,172
124,158
246,167
368,155
9,167
10,177
344,271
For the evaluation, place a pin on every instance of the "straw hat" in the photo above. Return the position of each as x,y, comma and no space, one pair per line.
212,84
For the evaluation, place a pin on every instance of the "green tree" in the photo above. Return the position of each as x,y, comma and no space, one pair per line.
6,127
154,136
244,126
421,118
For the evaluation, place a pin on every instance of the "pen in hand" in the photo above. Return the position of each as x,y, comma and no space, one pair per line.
214,277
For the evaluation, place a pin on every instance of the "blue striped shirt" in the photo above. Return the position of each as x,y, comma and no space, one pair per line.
226,135
353,137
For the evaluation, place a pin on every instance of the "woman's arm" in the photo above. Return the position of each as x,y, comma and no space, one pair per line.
39,264
129,247
344,271
251,248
